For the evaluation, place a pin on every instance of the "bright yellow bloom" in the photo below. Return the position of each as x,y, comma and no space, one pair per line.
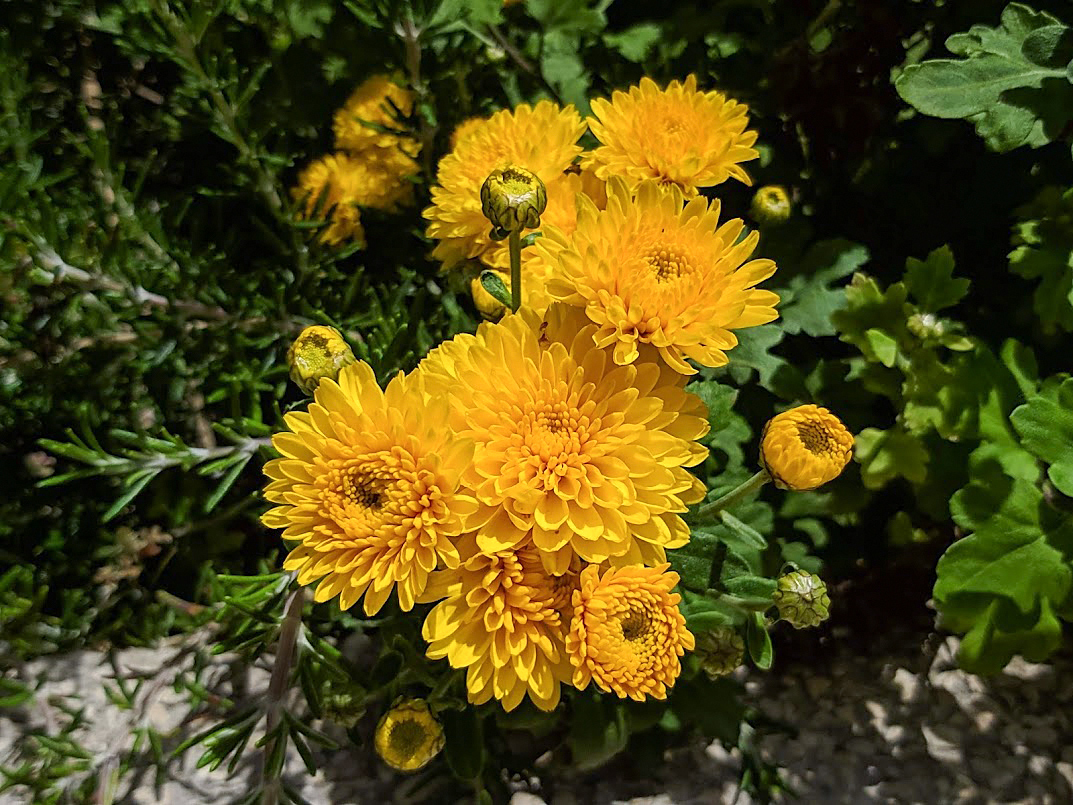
541,138
318,352
337,185
647,271
579,455
464,129
368,488
677,136
408,736
499,621
627,632
805,447
370,117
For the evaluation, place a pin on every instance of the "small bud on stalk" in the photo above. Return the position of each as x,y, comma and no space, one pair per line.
721,651
318,352
487,305
771,205
513,199
408,736
802,599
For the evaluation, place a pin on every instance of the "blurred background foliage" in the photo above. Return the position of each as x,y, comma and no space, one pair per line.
154,272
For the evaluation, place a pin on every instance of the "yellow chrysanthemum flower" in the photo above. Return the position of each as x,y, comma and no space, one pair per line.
541,138
626,631
676,136
370,117
408,736
805,447
500,621
466,128
573,452
368,488
337,185
647,271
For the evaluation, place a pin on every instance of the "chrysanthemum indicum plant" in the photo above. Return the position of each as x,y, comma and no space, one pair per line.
532,497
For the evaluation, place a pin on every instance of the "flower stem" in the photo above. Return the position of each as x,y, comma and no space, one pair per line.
289,631
515,244
734,495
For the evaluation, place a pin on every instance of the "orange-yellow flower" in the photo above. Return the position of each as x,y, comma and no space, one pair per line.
626,631
541,138
676,136
805,447
572,452
370,117
648,271
499,621
368,488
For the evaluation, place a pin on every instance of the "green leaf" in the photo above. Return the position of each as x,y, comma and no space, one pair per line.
931,281
464,742
887,454
810,300
496,287
752,354
714,706
635,42
747,535
882,346
1045,424
758,641
1044,251
598,730
870,309
1005,85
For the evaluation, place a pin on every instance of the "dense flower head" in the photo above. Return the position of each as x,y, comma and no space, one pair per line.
677,136
572,452
367,487
336,186
540,138
408,736
647,270
499,621
318,352
805,447
370,117
626,631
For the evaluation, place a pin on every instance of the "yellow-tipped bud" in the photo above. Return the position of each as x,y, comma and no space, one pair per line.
802,599
805,447
487,305
513,199
318,352
408,736
771,205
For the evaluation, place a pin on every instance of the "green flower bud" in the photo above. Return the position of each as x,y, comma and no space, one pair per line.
721,651
802,599
771,205
513,199
344,705
318,352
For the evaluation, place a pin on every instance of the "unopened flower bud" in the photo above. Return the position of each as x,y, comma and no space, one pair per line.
771,205
344,705
408,736
805,447
317,353
721,651
802,599
487,305
513,199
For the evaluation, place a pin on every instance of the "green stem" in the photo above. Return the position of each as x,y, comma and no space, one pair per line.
515,244
734,495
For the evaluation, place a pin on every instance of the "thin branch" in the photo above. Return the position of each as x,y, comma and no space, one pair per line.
289,630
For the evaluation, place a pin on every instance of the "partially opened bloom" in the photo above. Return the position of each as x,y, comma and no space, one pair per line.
541,138
499,620
805,447
677,136
318,352
368,488
648,271
573,452
370,117
626,631
408,736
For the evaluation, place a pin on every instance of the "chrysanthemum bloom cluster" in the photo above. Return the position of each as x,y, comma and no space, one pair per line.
371,166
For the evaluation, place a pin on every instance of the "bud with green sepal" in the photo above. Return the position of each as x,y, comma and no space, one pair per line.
721,651
513,199
318,352
802,600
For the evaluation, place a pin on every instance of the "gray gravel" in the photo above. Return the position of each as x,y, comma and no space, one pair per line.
908,728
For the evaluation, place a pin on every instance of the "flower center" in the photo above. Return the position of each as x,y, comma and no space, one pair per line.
667,263
362,489
407,737
636,625
815,437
